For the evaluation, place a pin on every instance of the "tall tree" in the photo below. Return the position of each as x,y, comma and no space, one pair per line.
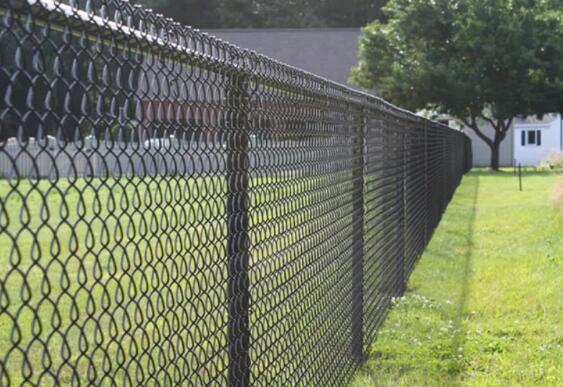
482,61
269,13
350,13
196,13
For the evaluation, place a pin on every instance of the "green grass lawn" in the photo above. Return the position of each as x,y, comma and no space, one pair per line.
129,276
484,305
87,263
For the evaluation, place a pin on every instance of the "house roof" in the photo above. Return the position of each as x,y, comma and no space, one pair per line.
546,119
328,52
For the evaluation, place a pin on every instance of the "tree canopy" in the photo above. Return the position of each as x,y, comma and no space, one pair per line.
269,13
477,60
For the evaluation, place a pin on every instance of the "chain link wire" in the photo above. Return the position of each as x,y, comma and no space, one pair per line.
175,210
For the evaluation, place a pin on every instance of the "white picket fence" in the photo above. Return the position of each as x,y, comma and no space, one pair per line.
157,157
37,161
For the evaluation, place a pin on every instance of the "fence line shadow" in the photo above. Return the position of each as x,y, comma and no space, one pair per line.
459,337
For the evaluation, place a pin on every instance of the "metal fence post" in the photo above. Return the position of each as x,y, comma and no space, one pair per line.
404,212
426,188
400,262
358,253
445,163
237,229
183,155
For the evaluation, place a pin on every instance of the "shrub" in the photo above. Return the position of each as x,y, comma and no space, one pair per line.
553,160
126,131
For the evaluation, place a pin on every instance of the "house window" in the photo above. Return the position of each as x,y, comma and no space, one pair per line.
531,137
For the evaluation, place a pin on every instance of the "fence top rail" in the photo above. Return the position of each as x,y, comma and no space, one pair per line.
138,28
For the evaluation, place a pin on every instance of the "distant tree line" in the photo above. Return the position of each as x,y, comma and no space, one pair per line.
484,62
269,13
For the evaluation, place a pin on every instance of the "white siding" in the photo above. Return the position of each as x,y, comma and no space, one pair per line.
482,152
532,154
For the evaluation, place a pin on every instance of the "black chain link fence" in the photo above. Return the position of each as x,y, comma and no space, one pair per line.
175,210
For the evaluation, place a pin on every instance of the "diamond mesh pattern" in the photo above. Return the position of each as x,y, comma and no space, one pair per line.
175,210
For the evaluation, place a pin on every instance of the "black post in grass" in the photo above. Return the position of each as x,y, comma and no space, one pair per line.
358,250
238,240
520,175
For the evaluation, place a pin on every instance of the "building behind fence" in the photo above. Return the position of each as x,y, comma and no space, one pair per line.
175,210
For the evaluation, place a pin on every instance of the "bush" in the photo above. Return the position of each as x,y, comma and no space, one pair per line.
126,131
552,161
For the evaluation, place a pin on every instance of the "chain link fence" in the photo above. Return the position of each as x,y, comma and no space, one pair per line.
175,210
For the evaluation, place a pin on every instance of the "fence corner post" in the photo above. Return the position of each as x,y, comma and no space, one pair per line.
238,240
358,250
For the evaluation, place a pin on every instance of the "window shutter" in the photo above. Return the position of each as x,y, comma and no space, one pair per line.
538,135
523,137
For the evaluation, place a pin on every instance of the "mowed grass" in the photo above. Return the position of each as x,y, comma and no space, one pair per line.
125,280
100,277
484,305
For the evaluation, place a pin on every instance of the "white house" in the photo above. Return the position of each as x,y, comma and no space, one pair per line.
528,141
534,139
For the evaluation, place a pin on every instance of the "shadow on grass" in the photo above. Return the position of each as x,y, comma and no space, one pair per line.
464,237
459,337
419,343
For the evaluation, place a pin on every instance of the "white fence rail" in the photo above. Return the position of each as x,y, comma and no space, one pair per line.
40,160
34,160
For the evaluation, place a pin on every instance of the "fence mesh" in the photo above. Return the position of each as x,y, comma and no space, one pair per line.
175,210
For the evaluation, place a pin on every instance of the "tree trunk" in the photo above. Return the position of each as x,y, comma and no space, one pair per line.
495,156
500,129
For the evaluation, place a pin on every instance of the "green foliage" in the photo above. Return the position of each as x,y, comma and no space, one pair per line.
350,13
269,13
483,306
122,132
477,60
465,56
